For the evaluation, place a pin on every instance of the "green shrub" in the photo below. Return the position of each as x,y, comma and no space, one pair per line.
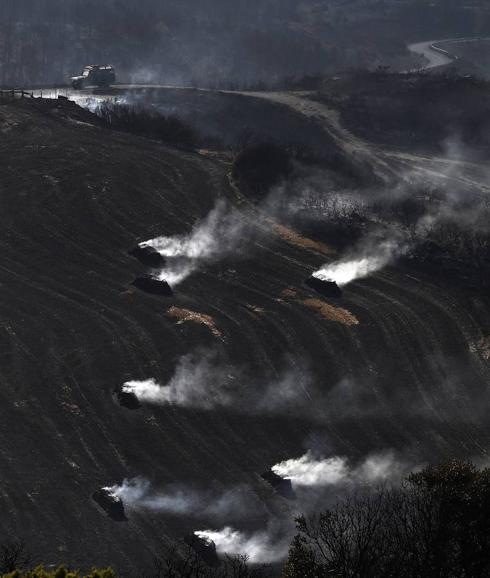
61,572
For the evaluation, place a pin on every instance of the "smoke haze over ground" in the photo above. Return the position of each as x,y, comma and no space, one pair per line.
245,368
260,547
372,256
219,234
441,205
199,381
217,42
139,494
203,381
310,471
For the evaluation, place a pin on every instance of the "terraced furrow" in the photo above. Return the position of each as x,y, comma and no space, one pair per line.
72,329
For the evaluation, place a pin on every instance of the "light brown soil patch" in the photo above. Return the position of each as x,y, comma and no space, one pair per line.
289,292
186,316
128,294
332,313
72,408
296,239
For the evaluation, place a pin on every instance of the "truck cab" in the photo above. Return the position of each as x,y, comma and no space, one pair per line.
98,75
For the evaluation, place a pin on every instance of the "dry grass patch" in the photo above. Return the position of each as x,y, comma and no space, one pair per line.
127,294
483,348
296,239
337,314
188,316
289,292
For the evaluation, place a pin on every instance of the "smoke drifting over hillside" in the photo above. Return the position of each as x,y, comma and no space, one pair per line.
199,381
206,238
138,494
202,381
439,206
309,470
371,258
260,547
219,234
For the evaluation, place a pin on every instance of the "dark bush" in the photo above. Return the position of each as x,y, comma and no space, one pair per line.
415,110
260,167
149,123
437,524
191,564
13,555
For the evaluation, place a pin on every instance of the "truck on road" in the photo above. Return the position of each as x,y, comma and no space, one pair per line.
98,75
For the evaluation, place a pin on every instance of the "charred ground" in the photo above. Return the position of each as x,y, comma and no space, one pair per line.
416,111
75,197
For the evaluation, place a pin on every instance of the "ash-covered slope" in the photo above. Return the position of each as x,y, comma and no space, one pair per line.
397,364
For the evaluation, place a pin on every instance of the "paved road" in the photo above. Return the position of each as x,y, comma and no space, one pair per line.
438,52
435,56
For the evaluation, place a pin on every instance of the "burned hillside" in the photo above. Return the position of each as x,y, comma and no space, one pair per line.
416,111
399,365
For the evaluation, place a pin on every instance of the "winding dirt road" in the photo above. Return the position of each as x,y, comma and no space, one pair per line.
389,165
434,55
434,51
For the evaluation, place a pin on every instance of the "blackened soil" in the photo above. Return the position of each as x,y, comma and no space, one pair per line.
74,199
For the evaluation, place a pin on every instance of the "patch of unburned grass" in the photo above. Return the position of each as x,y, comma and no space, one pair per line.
188,316
295,238
337,314
289,293
483,348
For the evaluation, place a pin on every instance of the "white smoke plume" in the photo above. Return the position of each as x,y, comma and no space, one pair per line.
212,238
201,381
373,257
260,547
138,494
441,200
337,471
289,390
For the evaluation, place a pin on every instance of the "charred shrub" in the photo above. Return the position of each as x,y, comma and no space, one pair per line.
14,555
415,110
149,123
434,524
260,167
189,562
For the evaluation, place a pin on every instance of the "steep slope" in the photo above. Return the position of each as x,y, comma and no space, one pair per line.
75,198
